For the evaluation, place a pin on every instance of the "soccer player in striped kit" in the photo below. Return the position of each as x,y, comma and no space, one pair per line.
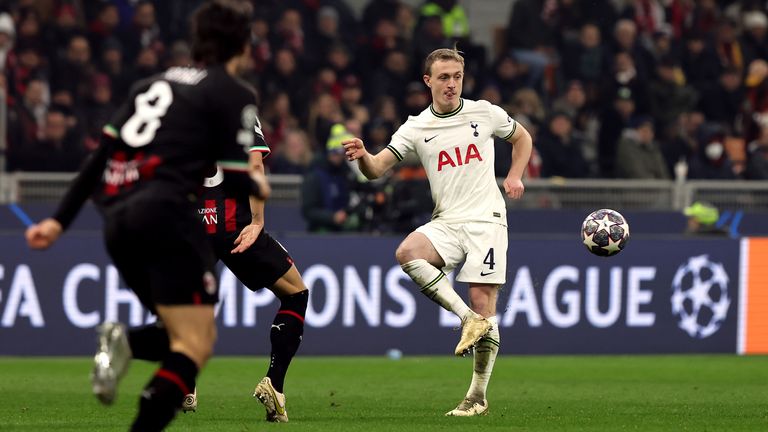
235,227
145,178
453,138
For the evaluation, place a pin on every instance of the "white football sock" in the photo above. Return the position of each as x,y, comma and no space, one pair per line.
485,356
433,283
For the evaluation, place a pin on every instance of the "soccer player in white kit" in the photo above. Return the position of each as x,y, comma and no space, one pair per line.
454,140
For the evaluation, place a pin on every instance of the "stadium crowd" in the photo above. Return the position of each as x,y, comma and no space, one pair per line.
610,88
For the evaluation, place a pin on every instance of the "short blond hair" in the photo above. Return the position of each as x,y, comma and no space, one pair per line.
443,54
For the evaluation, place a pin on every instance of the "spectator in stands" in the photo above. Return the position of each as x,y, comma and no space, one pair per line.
28,118
24,62
352,98
7,36
326,190
56,150
755,113
614,119
625,39
527,107
754,40
757,157
702,219
625,75
711,160
507,75
430,36
531,37
284,75
669,95
289,32
277,119
327,35
294,156
682,140
560,149
75,71
143,33
722,102
97,110
323,113
65,26
585,59
638,155
648,15
111,63
392,79
104,27
340,60
699,61
261,47
727,45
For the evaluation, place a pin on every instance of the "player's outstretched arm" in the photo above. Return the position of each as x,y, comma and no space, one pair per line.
372,166
522,146
45,233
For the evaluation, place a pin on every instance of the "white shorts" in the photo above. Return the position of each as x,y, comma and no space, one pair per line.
481,246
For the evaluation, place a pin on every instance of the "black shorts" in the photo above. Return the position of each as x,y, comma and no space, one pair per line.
259,266
161,251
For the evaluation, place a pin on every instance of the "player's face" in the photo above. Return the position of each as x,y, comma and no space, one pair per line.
445,84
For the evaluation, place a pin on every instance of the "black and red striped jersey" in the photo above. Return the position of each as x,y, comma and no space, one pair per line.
161,141
219,213
173,127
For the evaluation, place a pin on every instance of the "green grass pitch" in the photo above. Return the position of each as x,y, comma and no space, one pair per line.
527,393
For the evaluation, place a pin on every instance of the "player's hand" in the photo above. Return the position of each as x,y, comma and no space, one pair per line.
247,237
514,187
354,148
42,235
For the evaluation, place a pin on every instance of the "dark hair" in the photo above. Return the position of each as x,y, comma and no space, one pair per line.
220,30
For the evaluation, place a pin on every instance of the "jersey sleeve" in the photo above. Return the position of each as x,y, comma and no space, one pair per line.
402,142
240,132
504,126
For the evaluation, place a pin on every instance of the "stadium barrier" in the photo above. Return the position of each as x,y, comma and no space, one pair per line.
555,193
672,295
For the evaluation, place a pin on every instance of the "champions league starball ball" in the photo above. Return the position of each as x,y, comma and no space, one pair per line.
605,232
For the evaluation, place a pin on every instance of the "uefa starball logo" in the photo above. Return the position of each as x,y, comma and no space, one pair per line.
700,299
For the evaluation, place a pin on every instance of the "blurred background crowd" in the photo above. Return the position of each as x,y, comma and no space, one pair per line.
643,89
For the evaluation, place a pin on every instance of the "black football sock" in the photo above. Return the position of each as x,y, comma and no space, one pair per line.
149,343
162,397
285,335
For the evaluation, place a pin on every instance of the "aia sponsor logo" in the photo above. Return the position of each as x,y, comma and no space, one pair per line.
457,158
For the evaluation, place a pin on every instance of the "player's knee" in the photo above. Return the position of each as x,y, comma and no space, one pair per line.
404,253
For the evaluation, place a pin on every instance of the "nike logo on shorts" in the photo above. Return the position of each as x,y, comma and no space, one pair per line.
486,274
426,140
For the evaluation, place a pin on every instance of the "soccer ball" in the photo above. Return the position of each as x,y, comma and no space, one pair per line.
605,232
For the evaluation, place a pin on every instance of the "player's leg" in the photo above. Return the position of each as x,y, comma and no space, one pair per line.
115,350
419,258
483,300
285,336
485,271
180,265
117,345
192,333
267,263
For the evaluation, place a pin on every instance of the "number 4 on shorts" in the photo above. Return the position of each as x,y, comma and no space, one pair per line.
489,259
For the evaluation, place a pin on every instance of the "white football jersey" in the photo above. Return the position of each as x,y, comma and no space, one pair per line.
457,152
